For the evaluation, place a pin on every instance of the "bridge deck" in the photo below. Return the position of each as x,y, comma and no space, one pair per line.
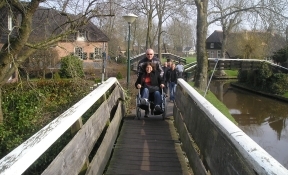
148,146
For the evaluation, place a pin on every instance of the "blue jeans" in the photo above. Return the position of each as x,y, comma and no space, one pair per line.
172,90
157,96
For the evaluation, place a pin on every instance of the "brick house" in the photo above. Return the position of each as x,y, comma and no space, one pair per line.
266,43
87,42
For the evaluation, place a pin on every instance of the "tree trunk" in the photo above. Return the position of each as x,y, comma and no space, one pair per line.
149,28
1,112
159,37
202,61
221,72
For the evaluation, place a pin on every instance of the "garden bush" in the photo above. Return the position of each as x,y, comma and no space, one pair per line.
71,67
29,107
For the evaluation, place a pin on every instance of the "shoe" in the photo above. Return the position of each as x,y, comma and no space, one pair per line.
146,113
152,112
157,108
144,101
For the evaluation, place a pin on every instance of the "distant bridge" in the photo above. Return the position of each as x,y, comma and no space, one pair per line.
233,64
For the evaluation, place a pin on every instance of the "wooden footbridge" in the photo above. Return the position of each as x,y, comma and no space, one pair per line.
195,138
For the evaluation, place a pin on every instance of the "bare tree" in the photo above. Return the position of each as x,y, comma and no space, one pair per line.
40,61
182,33
146,8
165,9
229,19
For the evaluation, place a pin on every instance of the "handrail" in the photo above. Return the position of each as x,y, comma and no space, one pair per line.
238,60
189,64
17,161
248,60
200,110
189,68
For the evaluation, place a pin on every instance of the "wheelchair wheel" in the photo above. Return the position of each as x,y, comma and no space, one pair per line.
138,113
164,107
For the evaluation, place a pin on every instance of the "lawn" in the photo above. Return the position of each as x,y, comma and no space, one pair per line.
190,59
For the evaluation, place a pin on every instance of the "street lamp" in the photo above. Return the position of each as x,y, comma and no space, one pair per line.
130,18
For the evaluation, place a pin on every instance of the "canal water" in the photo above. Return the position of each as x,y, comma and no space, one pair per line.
263,119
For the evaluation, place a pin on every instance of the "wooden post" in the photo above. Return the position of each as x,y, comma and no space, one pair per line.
76,126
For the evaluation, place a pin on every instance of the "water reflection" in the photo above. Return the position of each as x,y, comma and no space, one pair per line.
261,118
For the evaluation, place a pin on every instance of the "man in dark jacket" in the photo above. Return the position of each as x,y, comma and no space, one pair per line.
150,58
165,69
172,77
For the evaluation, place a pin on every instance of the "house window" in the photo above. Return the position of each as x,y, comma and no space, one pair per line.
10,22
212,45
91,56
79,52
84,56
211,54
98,52
218,53
81,35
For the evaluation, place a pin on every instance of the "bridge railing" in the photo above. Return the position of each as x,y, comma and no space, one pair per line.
75,154
243,64
213,143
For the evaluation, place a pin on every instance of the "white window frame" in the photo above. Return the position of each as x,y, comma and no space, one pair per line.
212,54
78,51
81,35
218,53
10,23
211,45
98,52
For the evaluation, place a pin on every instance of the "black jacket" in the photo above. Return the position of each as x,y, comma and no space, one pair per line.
155,79
171,76
165,69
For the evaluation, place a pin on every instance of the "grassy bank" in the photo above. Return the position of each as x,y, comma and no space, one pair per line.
216,103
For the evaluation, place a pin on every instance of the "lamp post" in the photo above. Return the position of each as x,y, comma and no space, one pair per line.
130,18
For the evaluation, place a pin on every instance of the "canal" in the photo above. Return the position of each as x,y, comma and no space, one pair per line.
261,118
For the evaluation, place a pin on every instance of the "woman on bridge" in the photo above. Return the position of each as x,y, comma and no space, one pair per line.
149,84
171,77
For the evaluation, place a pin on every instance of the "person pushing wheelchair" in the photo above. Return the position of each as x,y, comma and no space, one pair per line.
150,82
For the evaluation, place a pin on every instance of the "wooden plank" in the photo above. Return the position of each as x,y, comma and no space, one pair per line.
149,148
17,161
78,149
103,153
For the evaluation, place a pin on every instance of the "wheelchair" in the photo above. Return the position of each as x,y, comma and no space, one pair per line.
140,107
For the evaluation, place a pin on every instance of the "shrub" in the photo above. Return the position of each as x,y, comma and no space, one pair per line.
56,76
122,60
71,67
278,83
27,109
119,75
242,75
98,80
